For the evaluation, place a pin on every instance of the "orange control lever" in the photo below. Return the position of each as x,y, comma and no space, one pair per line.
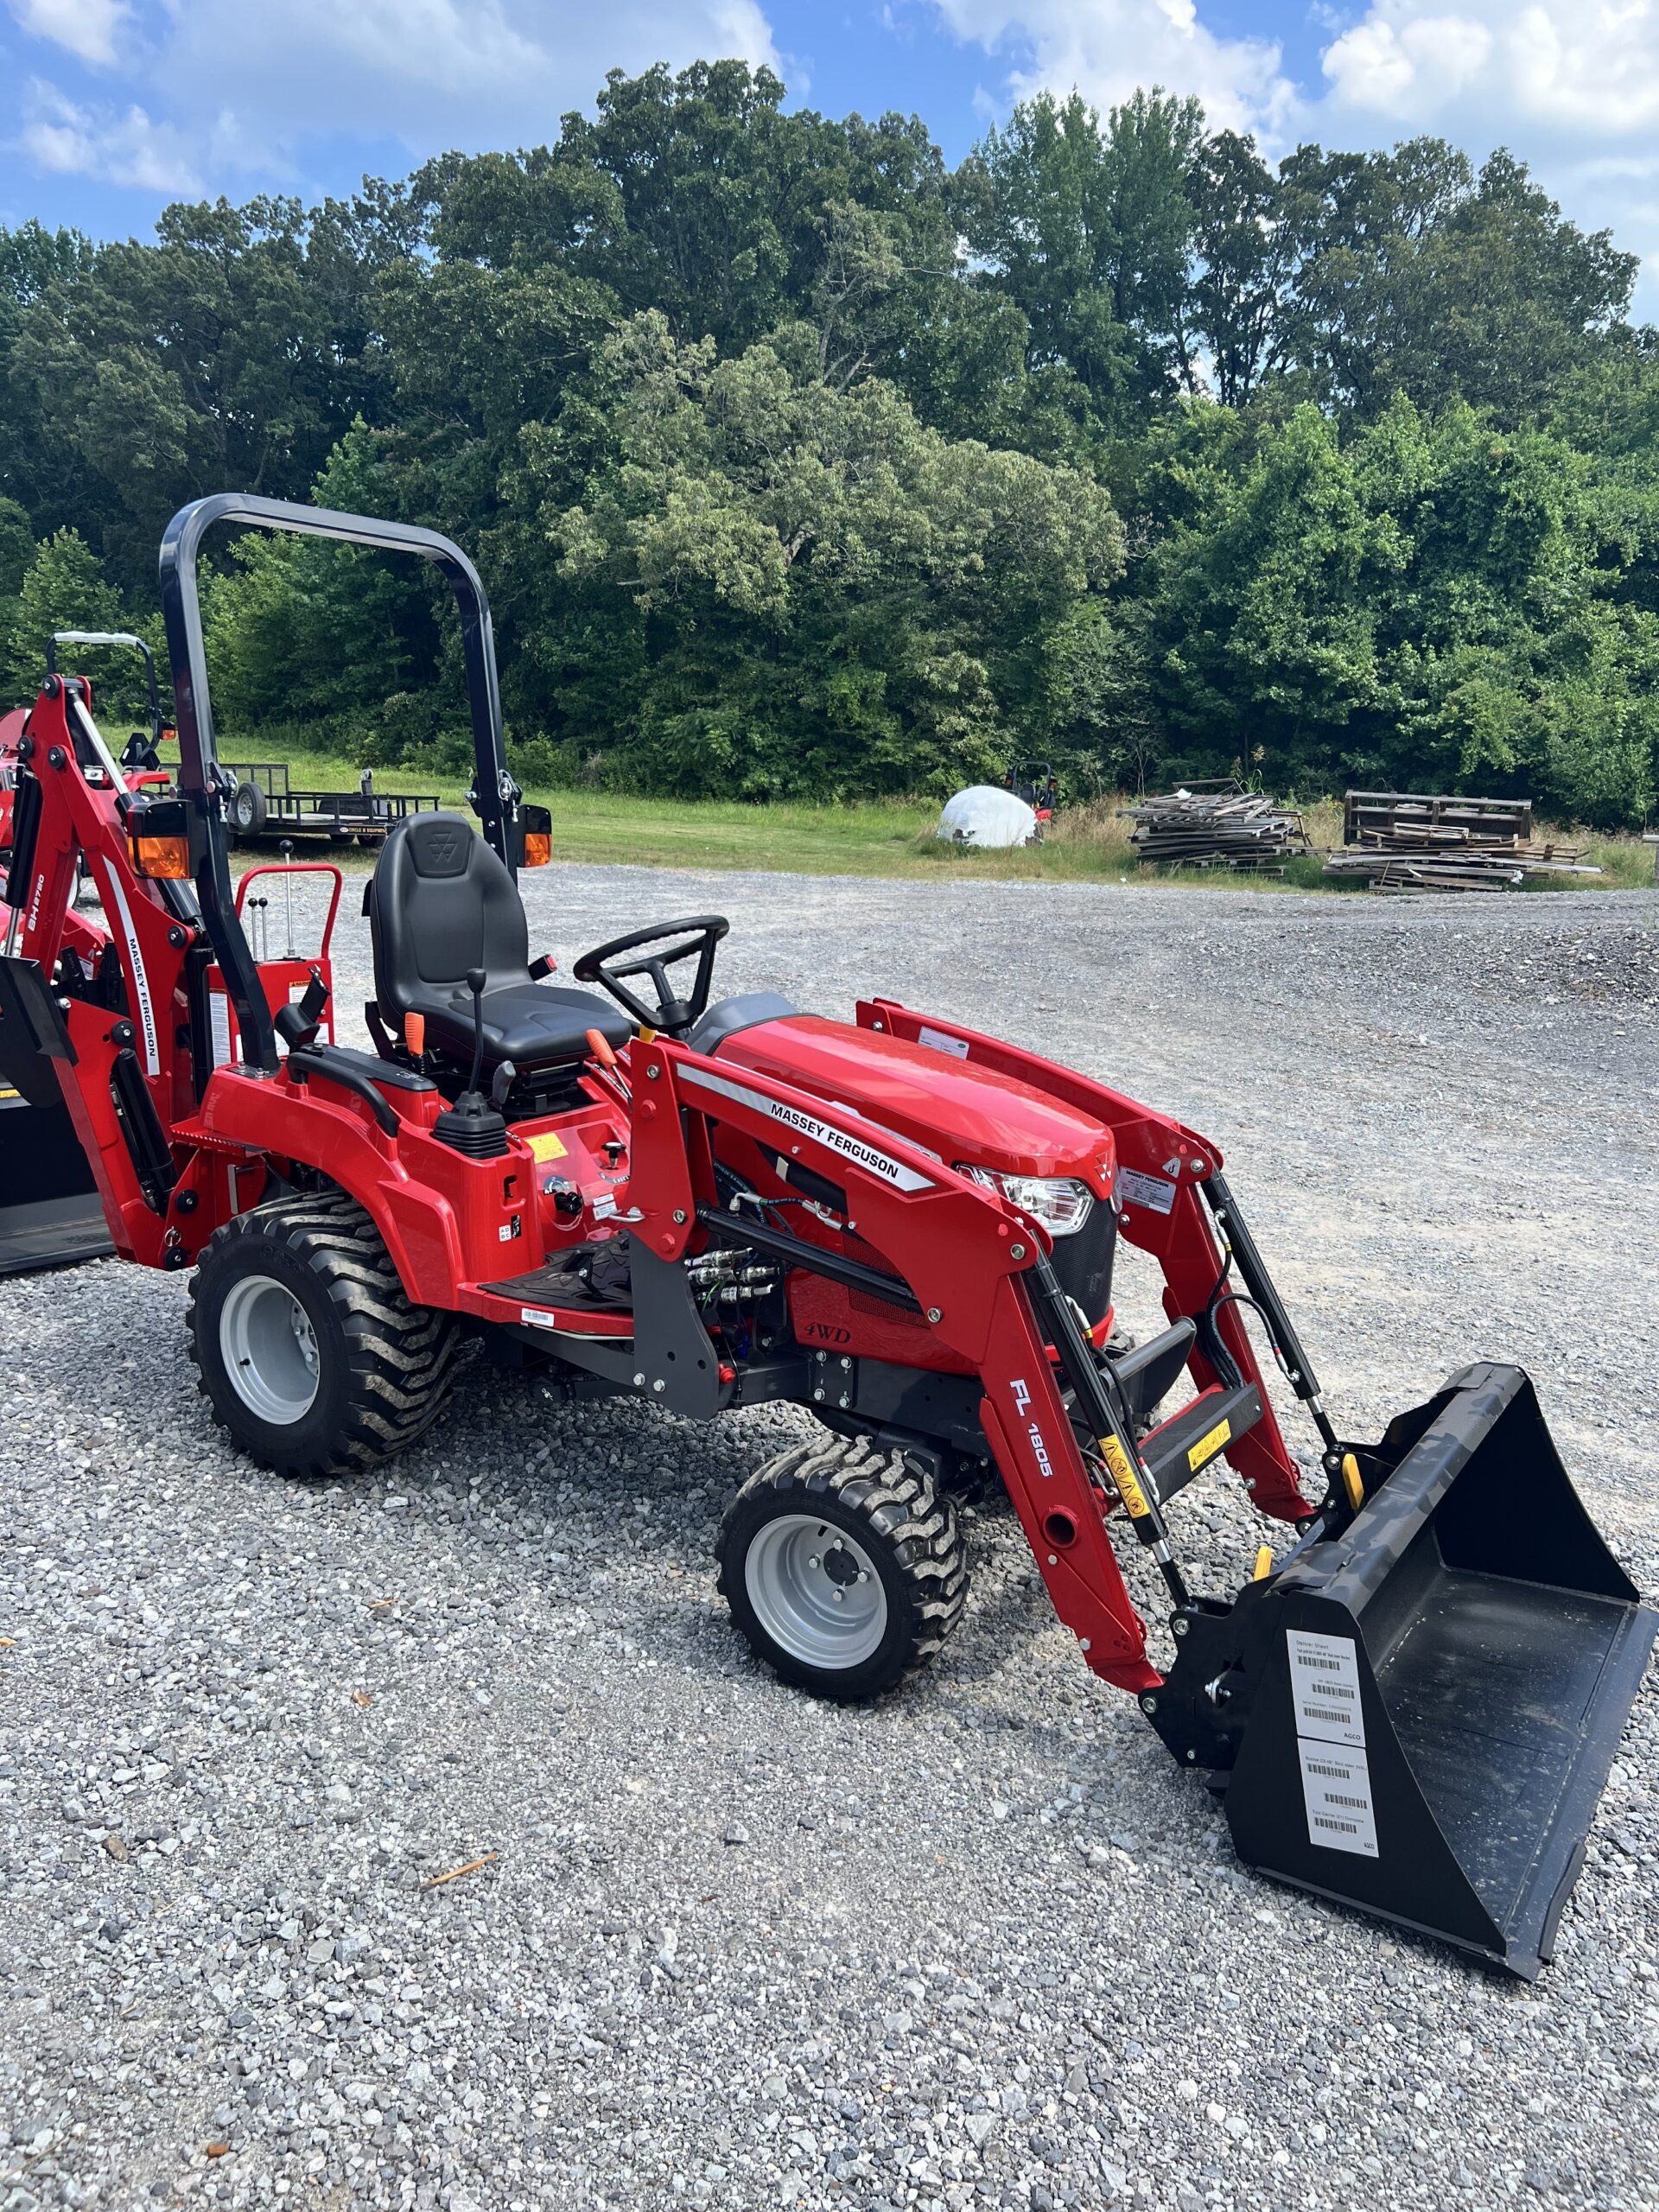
415,1033
617,1082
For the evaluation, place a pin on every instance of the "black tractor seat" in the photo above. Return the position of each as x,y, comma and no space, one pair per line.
441,902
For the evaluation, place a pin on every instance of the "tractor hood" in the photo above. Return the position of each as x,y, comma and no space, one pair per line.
959,1113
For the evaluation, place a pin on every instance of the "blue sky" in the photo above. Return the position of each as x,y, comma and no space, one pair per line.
110,108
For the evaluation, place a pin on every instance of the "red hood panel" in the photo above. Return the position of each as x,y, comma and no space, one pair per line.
959,1112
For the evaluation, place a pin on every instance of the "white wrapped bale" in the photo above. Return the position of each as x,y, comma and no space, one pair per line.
983,815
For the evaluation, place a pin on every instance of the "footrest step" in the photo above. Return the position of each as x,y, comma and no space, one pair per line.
1185,1445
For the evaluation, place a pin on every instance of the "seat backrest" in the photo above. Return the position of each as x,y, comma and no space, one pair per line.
440,903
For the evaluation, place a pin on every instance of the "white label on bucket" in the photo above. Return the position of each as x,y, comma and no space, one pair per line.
1336,1791
957,1046
1325,1687
1138,1190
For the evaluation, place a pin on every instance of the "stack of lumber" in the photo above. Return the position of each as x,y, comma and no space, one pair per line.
1217,824
1404,843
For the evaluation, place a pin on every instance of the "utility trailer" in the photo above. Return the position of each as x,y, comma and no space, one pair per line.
264,804
901,1225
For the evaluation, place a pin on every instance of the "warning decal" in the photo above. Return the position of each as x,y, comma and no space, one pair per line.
1207,1446
546,1144
1129,1485
1336,1788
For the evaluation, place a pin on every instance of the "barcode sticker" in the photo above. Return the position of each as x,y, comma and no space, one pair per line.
1325,1687
1137,1190
1336,1791
957,1046
218,1016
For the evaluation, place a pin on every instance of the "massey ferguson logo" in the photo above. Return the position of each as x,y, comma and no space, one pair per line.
443,845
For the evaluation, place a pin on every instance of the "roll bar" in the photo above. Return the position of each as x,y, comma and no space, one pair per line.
202,781
113,638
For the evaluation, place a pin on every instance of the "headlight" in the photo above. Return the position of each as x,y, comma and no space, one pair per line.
1060,1203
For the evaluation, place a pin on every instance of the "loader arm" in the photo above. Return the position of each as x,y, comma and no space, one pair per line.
959,1252
1168,1177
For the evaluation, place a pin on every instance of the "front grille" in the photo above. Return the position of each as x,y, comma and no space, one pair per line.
1083,1262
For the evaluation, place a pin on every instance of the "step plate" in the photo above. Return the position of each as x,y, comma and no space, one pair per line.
1182,1448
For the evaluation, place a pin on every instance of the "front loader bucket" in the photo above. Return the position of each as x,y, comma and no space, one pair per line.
51,1215
1420,1711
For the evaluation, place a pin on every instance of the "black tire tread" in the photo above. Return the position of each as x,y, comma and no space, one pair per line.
402,1354
914,1522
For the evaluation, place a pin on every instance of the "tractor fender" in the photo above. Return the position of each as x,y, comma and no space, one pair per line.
309,1127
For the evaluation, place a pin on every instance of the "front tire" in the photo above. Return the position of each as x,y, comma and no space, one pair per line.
843,1567
305,1346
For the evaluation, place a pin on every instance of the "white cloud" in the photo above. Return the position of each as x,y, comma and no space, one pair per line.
1386,64
433,72
1106,48
1552,68
86,28
259,78
115,146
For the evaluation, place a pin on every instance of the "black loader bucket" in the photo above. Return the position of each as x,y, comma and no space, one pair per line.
1416,1714
51,1215
50,1212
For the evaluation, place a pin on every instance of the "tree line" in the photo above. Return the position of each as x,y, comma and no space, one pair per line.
798,463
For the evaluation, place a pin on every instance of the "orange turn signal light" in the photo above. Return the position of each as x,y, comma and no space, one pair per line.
158,839
531,836
161,859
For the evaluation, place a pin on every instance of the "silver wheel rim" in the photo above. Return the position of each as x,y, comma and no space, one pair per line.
815,1591
269,1349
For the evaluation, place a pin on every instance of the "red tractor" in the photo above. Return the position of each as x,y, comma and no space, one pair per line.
903,1226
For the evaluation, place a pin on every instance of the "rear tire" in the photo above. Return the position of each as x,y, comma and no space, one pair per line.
843,1567
305,1346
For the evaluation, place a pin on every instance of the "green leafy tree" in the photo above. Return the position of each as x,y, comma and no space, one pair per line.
794,461
822,596
1416,275
302,632
63,588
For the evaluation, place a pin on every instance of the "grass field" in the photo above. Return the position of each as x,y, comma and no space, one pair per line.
890,838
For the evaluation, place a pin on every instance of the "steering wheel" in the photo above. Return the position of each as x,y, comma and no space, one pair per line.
699,935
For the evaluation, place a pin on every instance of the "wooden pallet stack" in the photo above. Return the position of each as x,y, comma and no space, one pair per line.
1405,842
1215,824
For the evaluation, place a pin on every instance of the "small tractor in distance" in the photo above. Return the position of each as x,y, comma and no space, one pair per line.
900,1224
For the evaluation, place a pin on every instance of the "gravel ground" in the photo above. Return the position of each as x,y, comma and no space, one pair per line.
981,1944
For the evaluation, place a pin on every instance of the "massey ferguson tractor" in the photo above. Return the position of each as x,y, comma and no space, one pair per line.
904,1227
